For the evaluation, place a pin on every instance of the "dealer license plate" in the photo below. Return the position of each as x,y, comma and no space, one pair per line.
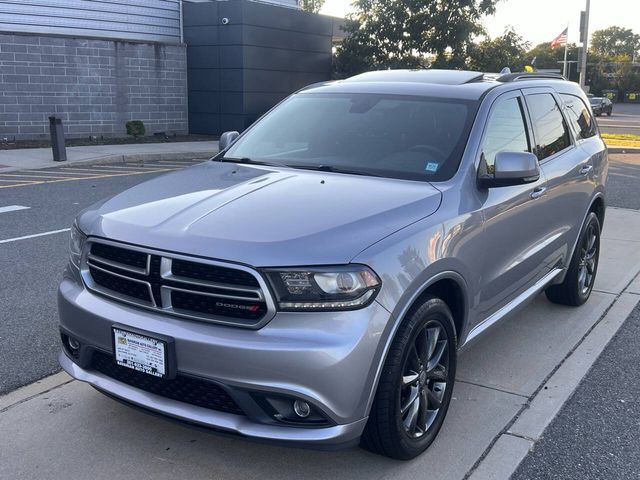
139,352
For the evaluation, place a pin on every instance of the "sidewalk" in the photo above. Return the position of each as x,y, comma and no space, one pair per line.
510,386
32,158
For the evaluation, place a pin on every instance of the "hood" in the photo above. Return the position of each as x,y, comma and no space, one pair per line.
261,216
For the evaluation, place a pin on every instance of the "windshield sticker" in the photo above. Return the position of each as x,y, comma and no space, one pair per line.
432,167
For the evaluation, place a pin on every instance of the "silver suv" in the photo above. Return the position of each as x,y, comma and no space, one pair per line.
314,282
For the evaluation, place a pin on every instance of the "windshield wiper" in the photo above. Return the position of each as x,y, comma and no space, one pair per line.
250,161
332,169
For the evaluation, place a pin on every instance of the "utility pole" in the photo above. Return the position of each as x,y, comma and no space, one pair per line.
584,36
566,47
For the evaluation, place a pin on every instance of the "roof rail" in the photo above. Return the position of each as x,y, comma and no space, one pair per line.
514,77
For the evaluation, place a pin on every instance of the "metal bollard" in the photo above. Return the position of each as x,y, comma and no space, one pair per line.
57,139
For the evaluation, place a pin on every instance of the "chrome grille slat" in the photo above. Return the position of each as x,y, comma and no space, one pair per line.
167,274
207,294
121,296
121,266
210,299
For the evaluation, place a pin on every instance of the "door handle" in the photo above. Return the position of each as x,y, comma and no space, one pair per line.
586,169
538,192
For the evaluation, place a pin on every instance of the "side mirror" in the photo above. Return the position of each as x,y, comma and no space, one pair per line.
511,168
226,139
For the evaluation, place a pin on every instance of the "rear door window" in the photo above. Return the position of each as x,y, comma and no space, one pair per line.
579,116
549,127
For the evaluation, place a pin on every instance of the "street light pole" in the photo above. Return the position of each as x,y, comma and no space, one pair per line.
566,47
585,44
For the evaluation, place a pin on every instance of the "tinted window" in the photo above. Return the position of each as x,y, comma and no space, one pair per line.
396,136
506,132
549,127
579,116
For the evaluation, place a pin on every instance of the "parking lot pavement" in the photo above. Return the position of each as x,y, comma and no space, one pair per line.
34,222
73,431
624,120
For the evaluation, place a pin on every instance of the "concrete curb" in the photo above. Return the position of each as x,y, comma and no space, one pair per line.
624,149
33,390
505,455
132,158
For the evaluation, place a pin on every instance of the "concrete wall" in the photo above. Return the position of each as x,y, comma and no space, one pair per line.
148,20
238,70
95,86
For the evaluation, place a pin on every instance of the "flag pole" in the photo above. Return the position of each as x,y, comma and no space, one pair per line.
566,46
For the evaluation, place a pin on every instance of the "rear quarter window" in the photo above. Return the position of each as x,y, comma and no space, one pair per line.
579,116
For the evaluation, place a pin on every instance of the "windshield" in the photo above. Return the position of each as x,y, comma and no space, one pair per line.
416,138
595,100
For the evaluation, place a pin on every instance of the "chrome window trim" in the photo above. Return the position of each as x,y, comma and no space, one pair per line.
265,295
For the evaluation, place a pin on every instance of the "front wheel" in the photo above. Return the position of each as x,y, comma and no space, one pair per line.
416,384
581,276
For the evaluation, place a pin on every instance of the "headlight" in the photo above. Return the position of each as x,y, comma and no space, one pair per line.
324,288
76,242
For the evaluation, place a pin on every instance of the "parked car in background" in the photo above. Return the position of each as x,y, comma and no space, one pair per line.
601,106
314,282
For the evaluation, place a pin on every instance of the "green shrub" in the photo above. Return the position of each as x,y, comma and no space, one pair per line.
135,128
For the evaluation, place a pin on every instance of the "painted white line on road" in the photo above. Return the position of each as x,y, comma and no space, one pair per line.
26,237
13,208
620,125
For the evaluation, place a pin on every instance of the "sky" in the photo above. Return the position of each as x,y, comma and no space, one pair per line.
541,21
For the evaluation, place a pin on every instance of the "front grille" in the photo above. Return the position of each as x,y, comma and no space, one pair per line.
197,289
211,273
120,255
214,306
121,284
193,391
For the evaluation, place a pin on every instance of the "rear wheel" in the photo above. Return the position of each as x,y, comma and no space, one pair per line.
416,384
578,283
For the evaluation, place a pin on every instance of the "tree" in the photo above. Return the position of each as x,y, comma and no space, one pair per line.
507,50
627,79
410,33
615,41
547,58
313,6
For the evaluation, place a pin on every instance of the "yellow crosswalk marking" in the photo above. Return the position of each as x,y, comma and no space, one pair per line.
23,178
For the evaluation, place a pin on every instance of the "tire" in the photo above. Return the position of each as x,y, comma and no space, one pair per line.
578,283
427,333
609,113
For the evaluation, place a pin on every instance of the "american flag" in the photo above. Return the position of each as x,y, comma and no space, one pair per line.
560,39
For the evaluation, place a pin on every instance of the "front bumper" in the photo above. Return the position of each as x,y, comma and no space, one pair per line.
327,359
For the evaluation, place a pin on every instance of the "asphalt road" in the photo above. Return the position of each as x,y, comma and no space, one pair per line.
623,189
625,119
597,433
31,267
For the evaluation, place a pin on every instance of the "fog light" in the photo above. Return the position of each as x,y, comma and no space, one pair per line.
301,408
74,345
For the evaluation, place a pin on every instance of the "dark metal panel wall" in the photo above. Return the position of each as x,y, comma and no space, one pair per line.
244,57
